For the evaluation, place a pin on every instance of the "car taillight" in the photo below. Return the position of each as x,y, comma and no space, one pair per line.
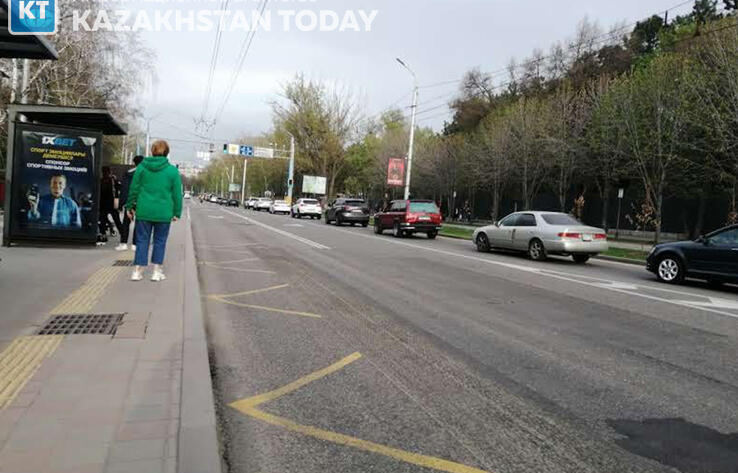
570,235
600,236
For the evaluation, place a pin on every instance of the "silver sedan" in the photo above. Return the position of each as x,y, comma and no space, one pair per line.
541,234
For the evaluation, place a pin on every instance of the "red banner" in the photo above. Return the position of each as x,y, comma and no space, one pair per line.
396,172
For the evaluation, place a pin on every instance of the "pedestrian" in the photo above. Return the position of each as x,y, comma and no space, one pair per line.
108,193
155,199
125,187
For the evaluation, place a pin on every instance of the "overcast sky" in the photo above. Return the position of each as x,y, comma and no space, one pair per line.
439,39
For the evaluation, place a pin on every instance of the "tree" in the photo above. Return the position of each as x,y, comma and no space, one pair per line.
323,121
650,107
526,130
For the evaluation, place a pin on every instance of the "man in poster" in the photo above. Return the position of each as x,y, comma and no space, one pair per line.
54,208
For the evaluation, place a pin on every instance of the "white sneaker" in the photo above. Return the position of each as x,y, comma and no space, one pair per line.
137,274
133,247
158,274
121,247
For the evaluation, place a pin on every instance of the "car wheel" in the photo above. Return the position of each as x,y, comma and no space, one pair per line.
327,221
378,227
482,242
670,270
536,250
396,231
580,259
432,235
365,224
339,221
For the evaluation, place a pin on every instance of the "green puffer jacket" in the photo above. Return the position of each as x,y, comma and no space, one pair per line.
156,191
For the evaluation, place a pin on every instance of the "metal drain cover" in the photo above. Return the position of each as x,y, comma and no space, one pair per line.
123,262
82,324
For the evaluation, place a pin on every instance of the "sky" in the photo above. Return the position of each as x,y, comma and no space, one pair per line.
439,39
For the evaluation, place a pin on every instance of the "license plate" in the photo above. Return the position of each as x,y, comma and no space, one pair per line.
357,211
586,237
425,219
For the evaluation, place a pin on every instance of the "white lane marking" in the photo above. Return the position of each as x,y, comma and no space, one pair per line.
293,225
189,217
217,217
615,286
310,243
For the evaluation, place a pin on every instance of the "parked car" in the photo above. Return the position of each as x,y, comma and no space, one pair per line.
541,234
263,204
213,199
251,203
406,217
713,257
347,210
279,207
187,195
233,203
307,208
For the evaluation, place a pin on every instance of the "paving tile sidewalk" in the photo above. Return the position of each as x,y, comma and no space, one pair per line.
107,404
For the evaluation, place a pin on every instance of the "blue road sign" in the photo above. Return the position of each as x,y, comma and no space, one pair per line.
247,151
32,17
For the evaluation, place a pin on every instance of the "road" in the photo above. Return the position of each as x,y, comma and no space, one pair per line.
337,350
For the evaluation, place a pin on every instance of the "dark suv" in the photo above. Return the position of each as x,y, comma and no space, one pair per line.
347,210
713,257
406,217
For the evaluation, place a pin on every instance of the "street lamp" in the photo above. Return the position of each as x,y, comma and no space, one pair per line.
412,129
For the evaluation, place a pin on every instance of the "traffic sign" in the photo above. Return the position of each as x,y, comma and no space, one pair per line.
247,151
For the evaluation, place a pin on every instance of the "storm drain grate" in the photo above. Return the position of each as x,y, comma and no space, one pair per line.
82,324
123,262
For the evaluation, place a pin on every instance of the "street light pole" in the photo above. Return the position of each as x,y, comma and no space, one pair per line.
291,177
412,130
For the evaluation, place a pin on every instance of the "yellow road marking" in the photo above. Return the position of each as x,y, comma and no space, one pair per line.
20,360
249,406
84,299
267,309
248,293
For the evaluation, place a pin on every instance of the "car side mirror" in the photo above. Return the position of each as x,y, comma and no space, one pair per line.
497,224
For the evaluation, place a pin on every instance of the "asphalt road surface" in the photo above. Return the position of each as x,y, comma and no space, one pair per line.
337,350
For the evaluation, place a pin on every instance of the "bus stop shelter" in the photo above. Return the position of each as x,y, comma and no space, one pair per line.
53,173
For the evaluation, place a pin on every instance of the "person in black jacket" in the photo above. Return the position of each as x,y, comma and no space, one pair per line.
125,230
109,189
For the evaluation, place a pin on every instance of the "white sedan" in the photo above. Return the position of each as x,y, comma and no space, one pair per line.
541,234
279,207
307,208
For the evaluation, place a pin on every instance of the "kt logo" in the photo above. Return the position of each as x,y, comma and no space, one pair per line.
32,17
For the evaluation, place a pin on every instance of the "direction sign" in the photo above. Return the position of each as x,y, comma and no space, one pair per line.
264,153
247,151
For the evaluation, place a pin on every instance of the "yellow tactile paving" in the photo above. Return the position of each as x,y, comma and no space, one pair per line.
19,362
84,299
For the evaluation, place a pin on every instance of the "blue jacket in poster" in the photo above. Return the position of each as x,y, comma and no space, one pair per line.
61,212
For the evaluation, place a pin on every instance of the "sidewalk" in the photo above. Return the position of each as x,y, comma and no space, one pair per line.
139,400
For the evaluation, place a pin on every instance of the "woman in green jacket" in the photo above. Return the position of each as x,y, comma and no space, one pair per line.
155,198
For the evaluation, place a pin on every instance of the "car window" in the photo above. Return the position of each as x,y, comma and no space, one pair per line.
509,221
526,220
560,219
310,201
726,238
428,207
399,206
355,202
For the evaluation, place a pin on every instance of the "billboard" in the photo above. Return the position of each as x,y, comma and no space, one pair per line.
396,172
313,185
55,185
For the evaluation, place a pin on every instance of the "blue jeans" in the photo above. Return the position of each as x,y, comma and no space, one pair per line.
142,237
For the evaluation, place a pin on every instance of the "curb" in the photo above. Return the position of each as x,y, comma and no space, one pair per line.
198,450
634,262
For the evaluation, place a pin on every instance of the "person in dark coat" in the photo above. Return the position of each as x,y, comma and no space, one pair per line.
125,187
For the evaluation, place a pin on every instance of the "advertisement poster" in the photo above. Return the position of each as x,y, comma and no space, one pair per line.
313,185
55,182
396,172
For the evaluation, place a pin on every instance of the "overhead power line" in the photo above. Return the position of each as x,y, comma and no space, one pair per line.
245,48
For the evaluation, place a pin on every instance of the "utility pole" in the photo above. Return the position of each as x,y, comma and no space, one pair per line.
291,176
409,169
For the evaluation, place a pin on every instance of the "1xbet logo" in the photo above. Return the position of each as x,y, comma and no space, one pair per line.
50,140
26,17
